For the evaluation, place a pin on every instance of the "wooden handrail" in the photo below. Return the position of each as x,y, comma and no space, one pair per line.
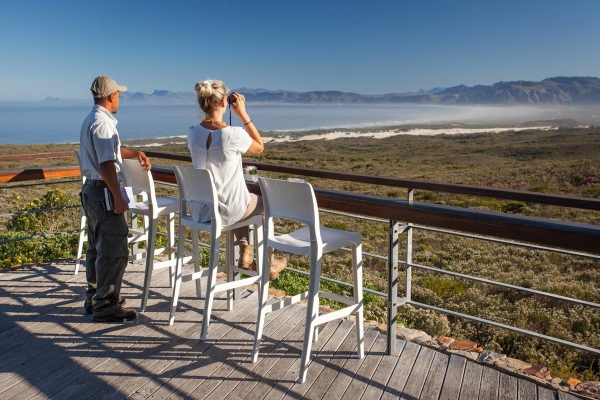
32,174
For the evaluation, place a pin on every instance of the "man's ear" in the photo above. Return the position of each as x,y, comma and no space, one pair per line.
112,96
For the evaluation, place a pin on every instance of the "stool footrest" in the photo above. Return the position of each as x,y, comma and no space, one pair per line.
284,303
193,276
337,297
236,284
344,312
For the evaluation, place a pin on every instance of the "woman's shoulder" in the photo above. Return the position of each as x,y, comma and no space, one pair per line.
233,130
195,128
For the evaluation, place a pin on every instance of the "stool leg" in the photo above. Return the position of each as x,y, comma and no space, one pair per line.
82,232
170,244
212,281
150,245
195,247
229,260
312,310
263,295
358,298
178,269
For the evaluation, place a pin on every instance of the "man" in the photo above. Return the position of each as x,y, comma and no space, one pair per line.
101,164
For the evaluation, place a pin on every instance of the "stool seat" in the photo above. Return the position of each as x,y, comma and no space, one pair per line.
298,242
164,205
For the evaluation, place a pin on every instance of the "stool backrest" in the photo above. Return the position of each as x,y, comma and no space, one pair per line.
78,154
141,181
290,200
197,186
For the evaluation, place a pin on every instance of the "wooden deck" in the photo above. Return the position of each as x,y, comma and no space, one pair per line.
50,349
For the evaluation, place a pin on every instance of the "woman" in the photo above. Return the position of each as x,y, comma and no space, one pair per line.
219,148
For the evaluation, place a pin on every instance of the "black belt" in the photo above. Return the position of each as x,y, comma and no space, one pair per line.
95,182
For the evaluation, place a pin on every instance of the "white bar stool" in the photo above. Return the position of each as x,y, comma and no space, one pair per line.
82,223
151,207
296,201
196,186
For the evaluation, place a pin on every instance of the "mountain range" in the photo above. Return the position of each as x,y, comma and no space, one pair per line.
558,90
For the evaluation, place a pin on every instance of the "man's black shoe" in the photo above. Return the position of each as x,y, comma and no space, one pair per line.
90,309
119,315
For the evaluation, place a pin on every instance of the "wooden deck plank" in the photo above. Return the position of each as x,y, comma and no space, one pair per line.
508,387
317,364
527,390
348,368
192,371
346,350
401,370
47,350
418,374
435,376
258,377
566,396
119,387
546,394
381,377
367,369
453,378
491,389
53,375
288,384
233,360
145,386
471,381
105,362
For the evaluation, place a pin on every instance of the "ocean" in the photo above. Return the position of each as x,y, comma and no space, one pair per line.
60,122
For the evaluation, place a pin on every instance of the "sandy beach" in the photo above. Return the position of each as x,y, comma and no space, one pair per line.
385,134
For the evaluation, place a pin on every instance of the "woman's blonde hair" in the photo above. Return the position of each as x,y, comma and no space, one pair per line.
210,93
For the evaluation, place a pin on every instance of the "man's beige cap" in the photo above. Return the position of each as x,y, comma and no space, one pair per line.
104,86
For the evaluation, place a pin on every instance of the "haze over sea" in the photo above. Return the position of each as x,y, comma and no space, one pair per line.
60,122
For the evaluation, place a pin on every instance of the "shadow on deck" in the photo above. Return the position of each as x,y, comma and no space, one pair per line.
50,349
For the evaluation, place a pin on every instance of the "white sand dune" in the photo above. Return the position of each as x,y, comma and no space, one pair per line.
385,134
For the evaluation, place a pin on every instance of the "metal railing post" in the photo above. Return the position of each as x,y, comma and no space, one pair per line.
392,287
409,243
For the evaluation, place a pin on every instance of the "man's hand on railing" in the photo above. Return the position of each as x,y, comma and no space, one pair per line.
144,160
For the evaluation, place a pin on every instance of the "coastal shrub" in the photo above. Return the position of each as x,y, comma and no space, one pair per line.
513,207
24,224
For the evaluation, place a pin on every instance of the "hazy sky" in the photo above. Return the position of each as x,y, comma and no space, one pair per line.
56,48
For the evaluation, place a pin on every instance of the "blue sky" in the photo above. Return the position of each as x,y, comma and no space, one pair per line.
56,48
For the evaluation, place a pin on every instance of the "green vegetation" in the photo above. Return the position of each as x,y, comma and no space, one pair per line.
563,161
37,223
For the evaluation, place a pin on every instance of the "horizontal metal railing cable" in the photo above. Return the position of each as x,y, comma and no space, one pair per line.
10,214
41,235
508,242
500,284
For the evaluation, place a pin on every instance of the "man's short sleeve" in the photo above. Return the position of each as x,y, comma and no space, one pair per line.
105,141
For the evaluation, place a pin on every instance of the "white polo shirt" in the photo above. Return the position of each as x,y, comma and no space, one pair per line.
99,142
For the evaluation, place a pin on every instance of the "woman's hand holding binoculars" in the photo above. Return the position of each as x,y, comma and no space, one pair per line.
238,104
